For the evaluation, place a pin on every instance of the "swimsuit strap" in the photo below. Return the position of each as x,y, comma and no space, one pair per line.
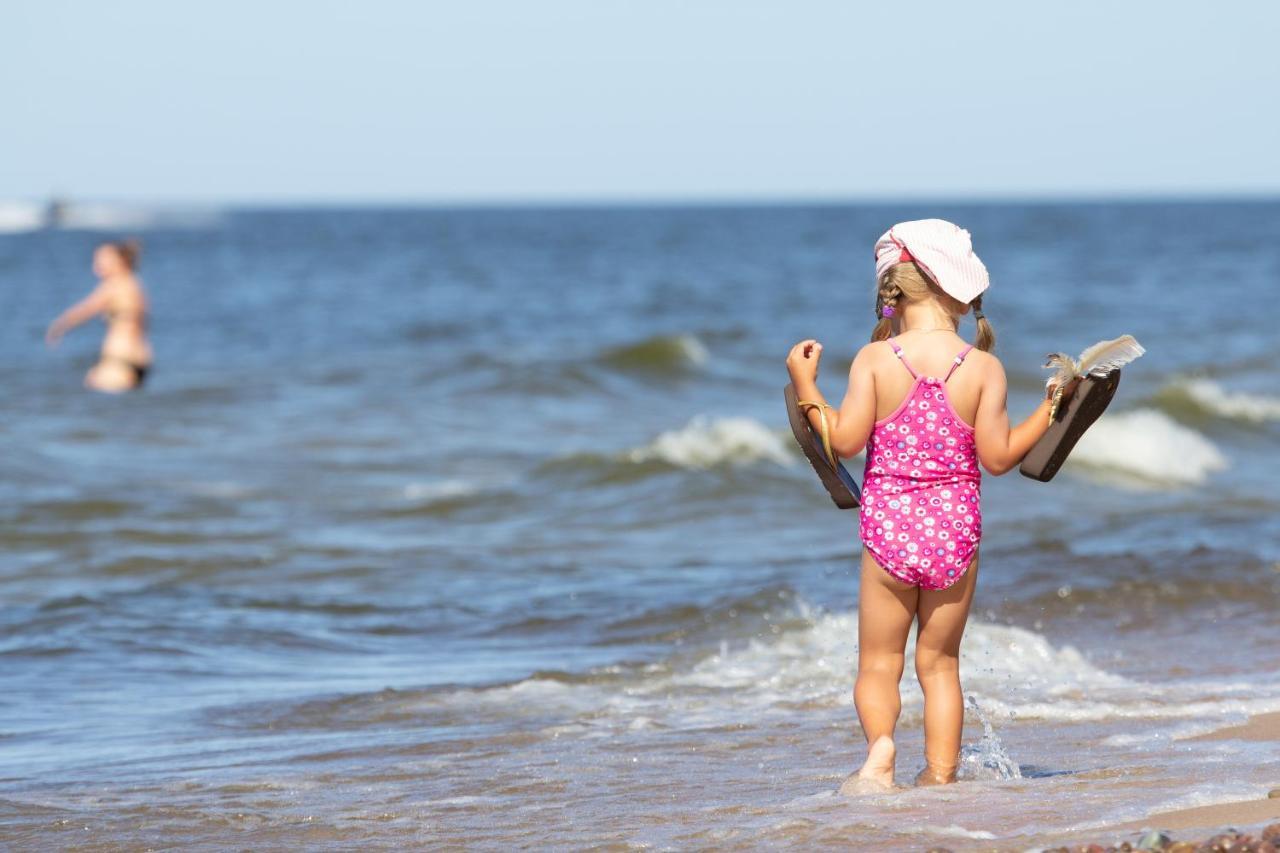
897,350
958,361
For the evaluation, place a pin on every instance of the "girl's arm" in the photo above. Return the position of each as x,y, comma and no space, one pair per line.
851,424
999,446
86,309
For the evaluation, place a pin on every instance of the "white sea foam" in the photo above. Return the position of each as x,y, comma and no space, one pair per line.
1235,405
957,831
1011,672
817,663
1148,445
705,443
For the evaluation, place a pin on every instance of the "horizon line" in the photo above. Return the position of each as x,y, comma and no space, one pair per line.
622,201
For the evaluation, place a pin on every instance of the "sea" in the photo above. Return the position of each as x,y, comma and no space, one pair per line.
482,528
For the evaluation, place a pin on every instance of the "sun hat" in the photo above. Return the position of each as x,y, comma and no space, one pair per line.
943,250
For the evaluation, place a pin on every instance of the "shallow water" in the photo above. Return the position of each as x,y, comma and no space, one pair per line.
484,527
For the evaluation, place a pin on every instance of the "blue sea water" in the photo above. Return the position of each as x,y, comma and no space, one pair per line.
483,527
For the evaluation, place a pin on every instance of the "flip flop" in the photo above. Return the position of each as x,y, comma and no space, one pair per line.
817,449
1087,403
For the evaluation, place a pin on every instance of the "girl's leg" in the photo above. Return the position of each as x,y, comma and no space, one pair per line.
886,609
943,614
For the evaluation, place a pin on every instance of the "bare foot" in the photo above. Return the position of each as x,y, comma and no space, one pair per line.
877,771
935,776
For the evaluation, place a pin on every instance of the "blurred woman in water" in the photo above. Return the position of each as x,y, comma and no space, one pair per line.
120,299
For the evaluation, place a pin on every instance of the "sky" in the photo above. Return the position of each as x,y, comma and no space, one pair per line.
276,101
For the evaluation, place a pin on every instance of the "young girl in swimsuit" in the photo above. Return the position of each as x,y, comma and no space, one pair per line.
126,352
927,407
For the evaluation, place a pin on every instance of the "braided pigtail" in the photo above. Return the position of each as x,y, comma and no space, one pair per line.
886,306
986,335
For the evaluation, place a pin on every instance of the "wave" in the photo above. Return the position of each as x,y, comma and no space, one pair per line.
707,443
1206,397
439,497
801,659
1148,445
659,354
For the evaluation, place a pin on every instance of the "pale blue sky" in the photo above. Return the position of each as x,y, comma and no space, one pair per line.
475,100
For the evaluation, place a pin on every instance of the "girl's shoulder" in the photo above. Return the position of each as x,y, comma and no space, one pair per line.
874,354
985,365
983,358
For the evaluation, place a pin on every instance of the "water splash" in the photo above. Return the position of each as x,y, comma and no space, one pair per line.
987,759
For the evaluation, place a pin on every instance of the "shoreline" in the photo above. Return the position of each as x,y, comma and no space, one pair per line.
1240,815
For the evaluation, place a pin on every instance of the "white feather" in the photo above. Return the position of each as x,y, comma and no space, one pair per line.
1098,360
1106,356
1063,367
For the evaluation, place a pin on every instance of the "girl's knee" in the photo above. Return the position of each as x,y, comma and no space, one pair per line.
881,664
930,663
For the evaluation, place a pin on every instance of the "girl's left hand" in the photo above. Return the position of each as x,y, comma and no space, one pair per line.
802,361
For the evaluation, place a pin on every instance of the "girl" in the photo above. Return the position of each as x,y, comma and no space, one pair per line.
126,352
928,408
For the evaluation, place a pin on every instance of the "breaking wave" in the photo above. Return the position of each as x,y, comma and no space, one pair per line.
1206,397
710,442
1148,445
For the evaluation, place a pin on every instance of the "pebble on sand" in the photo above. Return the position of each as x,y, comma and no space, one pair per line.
1229,841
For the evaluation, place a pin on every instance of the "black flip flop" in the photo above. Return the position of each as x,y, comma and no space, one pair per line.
1087,403
838,482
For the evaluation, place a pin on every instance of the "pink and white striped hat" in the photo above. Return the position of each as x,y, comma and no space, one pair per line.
940,248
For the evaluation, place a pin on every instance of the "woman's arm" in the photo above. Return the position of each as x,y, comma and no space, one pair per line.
851,424
86,309
999,446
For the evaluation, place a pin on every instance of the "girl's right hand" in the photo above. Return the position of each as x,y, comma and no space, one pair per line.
802,361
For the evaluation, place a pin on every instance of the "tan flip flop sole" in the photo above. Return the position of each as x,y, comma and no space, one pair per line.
837,480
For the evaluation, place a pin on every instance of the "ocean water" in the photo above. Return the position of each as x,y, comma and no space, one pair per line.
483,528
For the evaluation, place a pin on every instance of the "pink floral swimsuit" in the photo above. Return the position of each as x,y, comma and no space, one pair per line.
920,515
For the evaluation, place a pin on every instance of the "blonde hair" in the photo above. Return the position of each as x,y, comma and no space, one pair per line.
906,282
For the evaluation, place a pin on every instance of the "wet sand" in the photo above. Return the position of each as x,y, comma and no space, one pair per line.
1241,814
1259,727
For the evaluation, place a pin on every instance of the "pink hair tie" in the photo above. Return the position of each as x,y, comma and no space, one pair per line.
886,311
